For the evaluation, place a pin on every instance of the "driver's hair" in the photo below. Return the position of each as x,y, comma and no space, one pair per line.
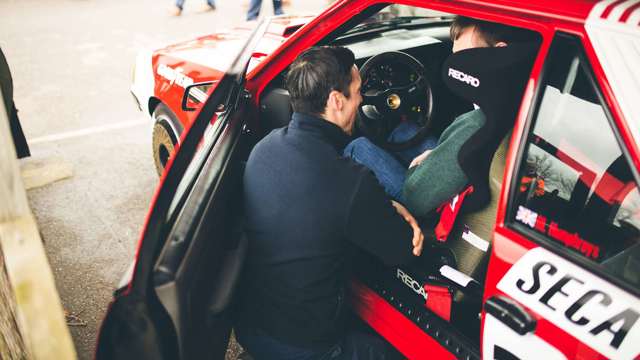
492,33
315,73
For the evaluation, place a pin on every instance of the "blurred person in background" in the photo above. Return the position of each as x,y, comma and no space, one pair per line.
210,6
255,5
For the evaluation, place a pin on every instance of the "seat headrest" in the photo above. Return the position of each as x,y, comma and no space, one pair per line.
491,77
494,79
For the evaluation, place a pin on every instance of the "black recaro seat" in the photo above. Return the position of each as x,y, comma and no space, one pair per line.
494,79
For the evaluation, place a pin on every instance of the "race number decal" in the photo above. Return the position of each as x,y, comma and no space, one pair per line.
502,343
592,310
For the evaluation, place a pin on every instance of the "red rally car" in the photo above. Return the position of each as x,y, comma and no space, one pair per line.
548,267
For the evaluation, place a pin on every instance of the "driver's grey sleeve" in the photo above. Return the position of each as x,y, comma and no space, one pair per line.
374,224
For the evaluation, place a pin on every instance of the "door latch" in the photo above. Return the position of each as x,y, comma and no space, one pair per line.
511,314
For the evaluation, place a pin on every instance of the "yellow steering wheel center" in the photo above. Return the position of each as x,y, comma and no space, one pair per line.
393,101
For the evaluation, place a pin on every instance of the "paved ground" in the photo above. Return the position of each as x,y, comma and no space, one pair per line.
71,62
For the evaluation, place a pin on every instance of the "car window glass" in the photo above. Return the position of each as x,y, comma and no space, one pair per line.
204,148
575,186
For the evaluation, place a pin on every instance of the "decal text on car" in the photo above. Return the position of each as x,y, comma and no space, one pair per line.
459,75
585,306
570,239
410,282
175,76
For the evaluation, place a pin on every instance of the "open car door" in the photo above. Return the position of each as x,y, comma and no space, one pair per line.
175,304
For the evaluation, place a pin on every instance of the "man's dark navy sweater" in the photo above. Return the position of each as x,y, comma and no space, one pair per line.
305,205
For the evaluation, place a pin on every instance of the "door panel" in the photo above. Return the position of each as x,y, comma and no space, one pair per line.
206,237
176,305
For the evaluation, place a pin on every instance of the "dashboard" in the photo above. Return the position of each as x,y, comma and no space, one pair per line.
430,46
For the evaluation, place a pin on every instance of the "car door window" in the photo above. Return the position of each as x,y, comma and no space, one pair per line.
575,190
214,129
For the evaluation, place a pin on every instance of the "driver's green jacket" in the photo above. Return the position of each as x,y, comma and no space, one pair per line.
439,177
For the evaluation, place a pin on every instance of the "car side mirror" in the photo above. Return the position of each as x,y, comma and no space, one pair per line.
195,95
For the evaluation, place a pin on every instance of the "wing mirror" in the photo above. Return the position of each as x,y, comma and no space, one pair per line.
196,94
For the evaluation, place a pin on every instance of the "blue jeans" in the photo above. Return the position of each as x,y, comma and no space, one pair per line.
180,3
254,9
356,345
390,169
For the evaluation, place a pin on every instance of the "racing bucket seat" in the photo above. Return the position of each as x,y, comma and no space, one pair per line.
452,267
494,80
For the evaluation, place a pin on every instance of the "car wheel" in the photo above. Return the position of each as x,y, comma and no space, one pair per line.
164,136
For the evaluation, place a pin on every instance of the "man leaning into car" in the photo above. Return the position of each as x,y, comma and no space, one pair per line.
306,206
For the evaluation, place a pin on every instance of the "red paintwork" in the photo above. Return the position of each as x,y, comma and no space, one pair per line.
207,58
279,48
627,13
610,8
395,327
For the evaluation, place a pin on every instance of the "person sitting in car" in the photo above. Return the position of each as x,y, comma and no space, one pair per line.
306,206
434,174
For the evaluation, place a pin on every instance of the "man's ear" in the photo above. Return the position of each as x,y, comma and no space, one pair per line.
335,100
500,44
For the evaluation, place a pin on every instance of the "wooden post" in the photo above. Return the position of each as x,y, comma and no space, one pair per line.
32,324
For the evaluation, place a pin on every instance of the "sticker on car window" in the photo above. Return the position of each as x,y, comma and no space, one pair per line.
552,229
475,240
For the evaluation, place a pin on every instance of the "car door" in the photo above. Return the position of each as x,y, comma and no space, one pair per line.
176,303
564,274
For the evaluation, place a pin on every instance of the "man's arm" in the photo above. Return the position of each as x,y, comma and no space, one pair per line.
418,236
376,226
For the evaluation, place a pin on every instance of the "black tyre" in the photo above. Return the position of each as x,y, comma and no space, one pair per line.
166,132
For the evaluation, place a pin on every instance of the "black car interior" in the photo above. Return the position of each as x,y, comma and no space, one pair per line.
502,74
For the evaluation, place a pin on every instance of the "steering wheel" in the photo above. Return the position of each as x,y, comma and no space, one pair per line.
394,89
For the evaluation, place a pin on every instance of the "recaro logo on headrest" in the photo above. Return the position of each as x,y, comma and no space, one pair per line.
459,75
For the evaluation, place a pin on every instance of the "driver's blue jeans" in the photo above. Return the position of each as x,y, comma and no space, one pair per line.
389,168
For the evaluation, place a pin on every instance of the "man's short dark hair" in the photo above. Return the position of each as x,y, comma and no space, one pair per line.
491,32
315,73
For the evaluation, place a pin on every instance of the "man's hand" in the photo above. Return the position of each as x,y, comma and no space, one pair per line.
419,159
418,237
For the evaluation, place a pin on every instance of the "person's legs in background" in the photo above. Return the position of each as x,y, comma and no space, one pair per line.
254,9
179,7
255,5
277,7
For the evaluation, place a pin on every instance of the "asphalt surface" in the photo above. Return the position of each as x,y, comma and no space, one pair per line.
71,62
